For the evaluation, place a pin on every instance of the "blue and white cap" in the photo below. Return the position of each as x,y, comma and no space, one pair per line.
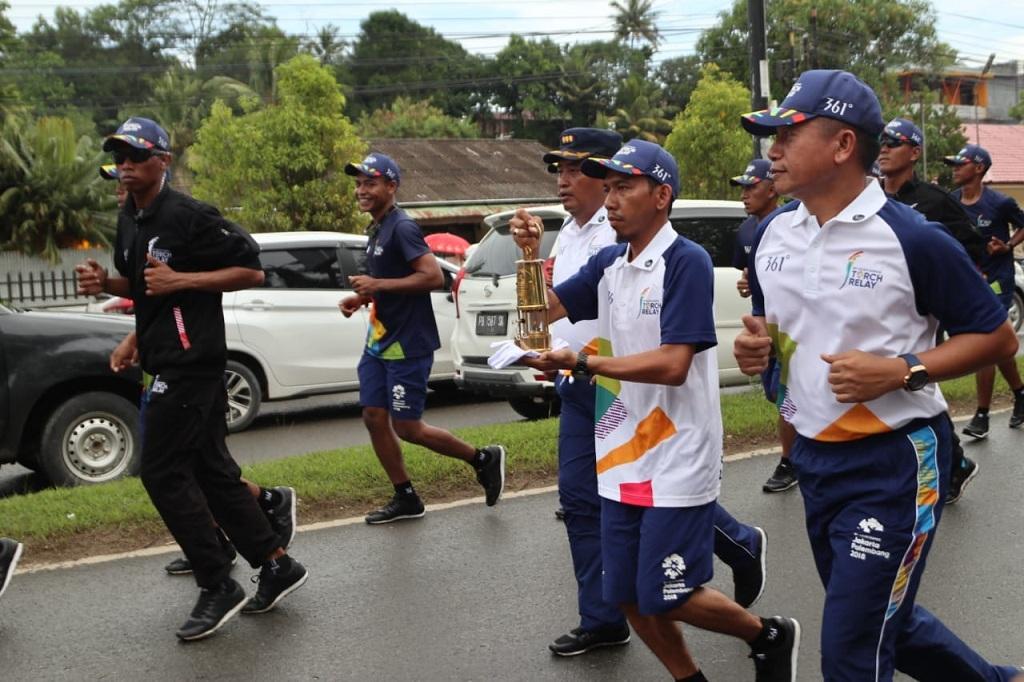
141,133
902,130
971,153
756,171
637,157
375,165
827,93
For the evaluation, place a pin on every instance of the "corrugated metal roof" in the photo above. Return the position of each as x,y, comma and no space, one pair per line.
1006,145
468,170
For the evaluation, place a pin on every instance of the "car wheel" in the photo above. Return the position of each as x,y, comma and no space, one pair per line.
244,396
537,407
1017,311
91,438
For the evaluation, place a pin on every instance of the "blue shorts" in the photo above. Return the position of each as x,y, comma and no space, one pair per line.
400,386
655,557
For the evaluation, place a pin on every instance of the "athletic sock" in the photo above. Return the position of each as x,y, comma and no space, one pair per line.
269,498
768,637
982,412
696,677
405,489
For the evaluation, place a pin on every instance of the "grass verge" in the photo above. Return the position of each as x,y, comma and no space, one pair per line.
68,522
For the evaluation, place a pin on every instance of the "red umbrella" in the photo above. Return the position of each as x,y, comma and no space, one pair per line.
447,243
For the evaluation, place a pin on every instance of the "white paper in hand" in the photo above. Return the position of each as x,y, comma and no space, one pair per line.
508,353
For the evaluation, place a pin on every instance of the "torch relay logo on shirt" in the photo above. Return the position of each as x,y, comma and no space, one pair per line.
860,277
647,305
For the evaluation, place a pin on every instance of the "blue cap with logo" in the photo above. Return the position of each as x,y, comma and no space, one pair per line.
576,144
757,171
971,153
141,133
902,130
376,165
827,93
638,157
108,171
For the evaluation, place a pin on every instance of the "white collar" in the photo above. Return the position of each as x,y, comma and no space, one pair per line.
646,259
865,205
600,217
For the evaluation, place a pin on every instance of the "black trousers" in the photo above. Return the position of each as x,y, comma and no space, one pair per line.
190,475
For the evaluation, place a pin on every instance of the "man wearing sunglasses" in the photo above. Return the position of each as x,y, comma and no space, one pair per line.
175,256
901,148
993,213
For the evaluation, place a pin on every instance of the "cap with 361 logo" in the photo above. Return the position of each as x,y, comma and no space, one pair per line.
826,93
638,157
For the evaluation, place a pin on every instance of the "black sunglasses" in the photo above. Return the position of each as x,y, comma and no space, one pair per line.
892,142
134,155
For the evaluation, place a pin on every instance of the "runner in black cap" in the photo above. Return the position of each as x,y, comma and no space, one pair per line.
993,213
901,149
175,256
400,343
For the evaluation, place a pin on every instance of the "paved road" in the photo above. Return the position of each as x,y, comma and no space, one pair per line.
472,593
295,427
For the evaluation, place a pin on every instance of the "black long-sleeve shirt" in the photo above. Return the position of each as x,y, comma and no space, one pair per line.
939,206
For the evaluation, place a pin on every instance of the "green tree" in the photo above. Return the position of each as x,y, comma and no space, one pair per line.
869,38
51,196
527,74
1017,110
590,74
327,46
639,112
281,167
248,52
636,22
413,118
707,140
678,77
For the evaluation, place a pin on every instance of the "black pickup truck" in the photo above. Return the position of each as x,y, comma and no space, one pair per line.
63,412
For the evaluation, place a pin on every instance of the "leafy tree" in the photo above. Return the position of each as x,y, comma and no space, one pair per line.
678,77
590,77
636,22
527,75
327,47
942,128
394,55
51,196
281,167
413,118
201,20
1017,110
249,53
639,112
867,37
707,140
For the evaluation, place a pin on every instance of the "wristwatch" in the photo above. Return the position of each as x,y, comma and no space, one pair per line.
581,364
917,377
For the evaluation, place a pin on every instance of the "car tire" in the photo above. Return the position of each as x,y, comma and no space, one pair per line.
91,438
244,396
536,407
1017,311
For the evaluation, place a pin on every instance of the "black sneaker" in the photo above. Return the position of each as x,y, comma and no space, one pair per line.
783,479
748,580
274,586
400,507
492,475
959,478
214,608
10,552
282,517
580,641
182,566
1017,418
560,514
776,661
978,428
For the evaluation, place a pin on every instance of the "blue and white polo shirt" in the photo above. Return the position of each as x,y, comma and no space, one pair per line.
877,278
657,445
575,246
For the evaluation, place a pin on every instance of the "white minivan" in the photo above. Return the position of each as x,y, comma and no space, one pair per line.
485,297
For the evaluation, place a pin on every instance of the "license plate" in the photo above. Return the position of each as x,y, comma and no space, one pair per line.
491,324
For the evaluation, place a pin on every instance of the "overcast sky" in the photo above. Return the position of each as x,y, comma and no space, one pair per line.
975,28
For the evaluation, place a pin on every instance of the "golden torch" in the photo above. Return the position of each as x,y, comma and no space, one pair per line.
532,299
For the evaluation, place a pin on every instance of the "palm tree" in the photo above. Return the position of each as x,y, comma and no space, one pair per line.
327,47
639,112
636,22
51,195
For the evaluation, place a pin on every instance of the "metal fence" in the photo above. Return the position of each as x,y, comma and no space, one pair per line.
32,282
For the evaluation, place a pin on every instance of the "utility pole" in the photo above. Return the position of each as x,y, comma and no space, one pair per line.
759,91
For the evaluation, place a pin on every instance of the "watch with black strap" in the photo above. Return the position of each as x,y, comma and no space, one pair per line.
581,367
917,377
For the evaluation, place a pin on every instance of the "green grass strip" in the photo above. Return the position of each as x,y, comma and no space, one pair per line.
352,478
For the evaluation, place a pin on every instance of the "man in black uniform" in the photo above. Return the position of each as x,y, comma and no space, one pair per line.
175,256
901,148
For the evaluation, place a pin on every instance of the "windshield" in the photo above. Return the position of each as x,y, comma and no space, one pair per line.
497,253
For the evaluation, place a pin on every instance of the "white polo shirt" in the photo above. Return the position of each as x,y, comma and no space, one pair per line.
575,246
877,278
657,446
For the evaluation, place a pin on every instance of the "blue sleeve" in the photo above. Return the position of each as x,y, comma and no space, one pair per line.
1011,211
688,298
743,236
578,294
946,284
409,239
